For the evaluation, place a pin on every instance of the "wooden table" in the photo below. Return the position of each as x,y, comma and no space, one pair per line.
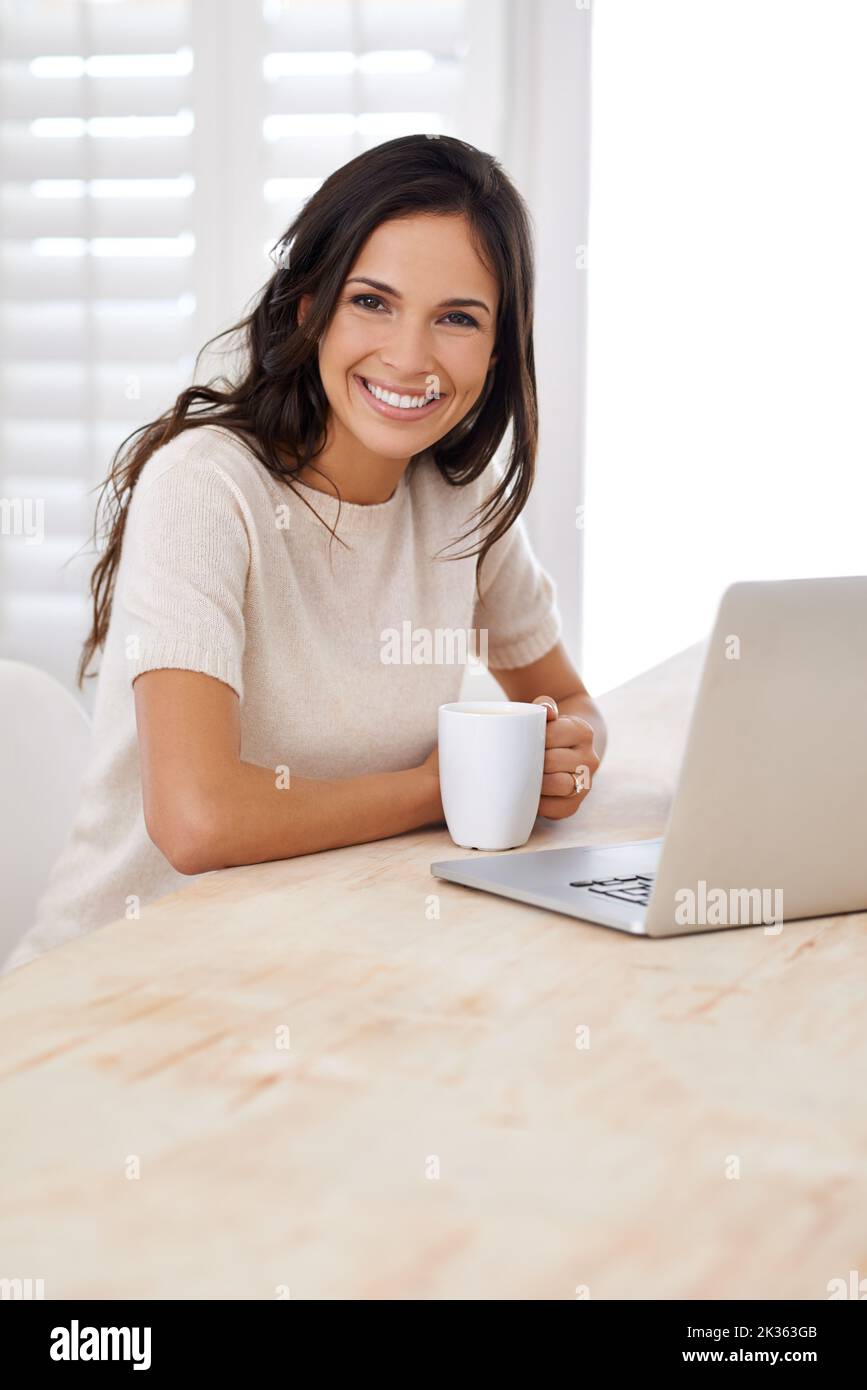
423,1044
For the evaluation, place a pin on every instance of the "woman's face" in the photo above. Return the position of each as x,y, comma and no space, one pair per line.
415,317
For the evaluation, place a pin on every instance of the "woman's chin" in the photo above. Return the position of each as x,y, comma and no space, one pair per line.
388,449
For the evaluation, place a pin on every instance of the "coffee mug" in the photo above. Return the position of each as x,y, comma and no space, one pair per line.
491,758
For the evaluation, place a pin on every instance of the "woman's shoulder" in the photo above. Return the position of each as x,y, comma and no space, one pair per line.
207,451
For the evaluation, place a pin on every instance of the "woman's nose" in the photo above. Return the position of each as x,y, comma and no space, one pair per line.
407,351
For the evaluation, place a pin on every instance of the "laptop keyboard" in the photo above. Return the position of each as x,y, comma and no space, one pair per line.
632,888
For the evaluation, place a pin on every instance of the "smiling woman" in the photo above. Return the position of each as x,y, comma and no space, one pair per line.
245,710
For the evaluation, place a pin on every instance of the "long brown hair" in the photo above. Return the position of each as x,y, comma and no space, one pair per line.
279,406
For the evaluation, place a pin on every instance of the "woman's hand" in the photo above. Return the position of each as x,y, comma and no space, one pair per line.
568,750
429,772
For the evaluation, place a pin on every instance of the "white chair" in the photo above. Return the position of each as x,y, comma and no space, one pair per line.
44,744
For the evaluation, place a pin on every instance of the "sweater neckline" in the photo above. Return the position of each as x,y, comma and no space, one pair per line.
353,506
354,516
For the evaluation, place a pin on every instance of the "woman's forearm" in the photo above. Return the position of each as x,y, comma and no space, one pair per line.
258,815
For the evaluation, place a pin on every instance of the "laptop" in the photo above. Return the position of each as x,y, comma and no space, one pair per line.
768,822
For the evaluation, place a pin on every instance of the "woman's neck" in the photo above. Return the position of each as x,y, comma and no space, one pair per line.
357,473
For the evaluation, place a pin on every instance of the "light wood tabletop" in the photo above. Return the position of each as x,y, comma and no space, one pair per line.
337,1076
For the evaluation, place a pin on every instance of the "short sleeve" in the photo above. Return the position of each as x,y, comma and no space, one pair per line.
519,612
186,556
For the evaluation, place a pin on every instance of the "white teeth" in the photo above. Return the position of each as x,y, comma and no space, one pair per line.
402,402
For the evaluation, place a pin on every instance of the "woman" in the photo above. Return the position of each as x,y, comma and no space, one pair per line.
265,540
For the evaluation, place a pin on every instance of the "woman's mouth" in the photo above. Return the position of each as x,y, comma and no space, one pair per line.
405,412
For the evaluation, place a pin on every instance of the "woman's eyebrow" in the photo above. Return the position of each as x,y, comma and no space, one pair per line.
444,304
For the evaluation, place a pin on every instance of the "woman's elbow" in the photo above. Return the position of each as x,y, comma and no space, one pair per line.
188,834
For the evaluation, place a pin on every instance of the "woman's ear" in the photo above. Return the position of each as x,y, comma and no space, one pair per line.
303,305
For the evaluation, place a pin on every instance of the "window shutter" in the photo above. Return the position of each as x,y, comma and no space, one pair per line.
96,303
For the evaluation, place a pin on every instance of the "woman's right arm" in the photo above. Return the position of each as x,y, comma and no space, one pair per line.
206,809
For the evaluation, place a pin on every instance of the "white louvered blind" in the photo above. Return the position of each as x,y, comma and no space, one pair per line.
96,290
342,77
151,154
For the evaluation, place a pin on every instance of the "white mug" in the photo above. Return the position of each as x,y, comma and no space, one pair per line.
491,758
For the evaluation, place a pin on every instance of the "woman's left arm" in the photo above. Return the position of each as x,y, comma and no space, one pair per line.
575,737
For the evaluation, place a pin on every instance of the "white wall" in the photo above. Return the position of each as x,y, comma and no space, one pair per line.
548,101
727,436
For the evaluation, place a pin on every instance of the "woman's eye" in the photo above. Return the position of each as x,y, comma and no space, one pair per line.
362,300
469,321
357,299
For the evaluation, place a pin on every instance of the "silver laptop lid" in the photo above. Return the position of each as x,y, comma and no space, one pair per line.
772,793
